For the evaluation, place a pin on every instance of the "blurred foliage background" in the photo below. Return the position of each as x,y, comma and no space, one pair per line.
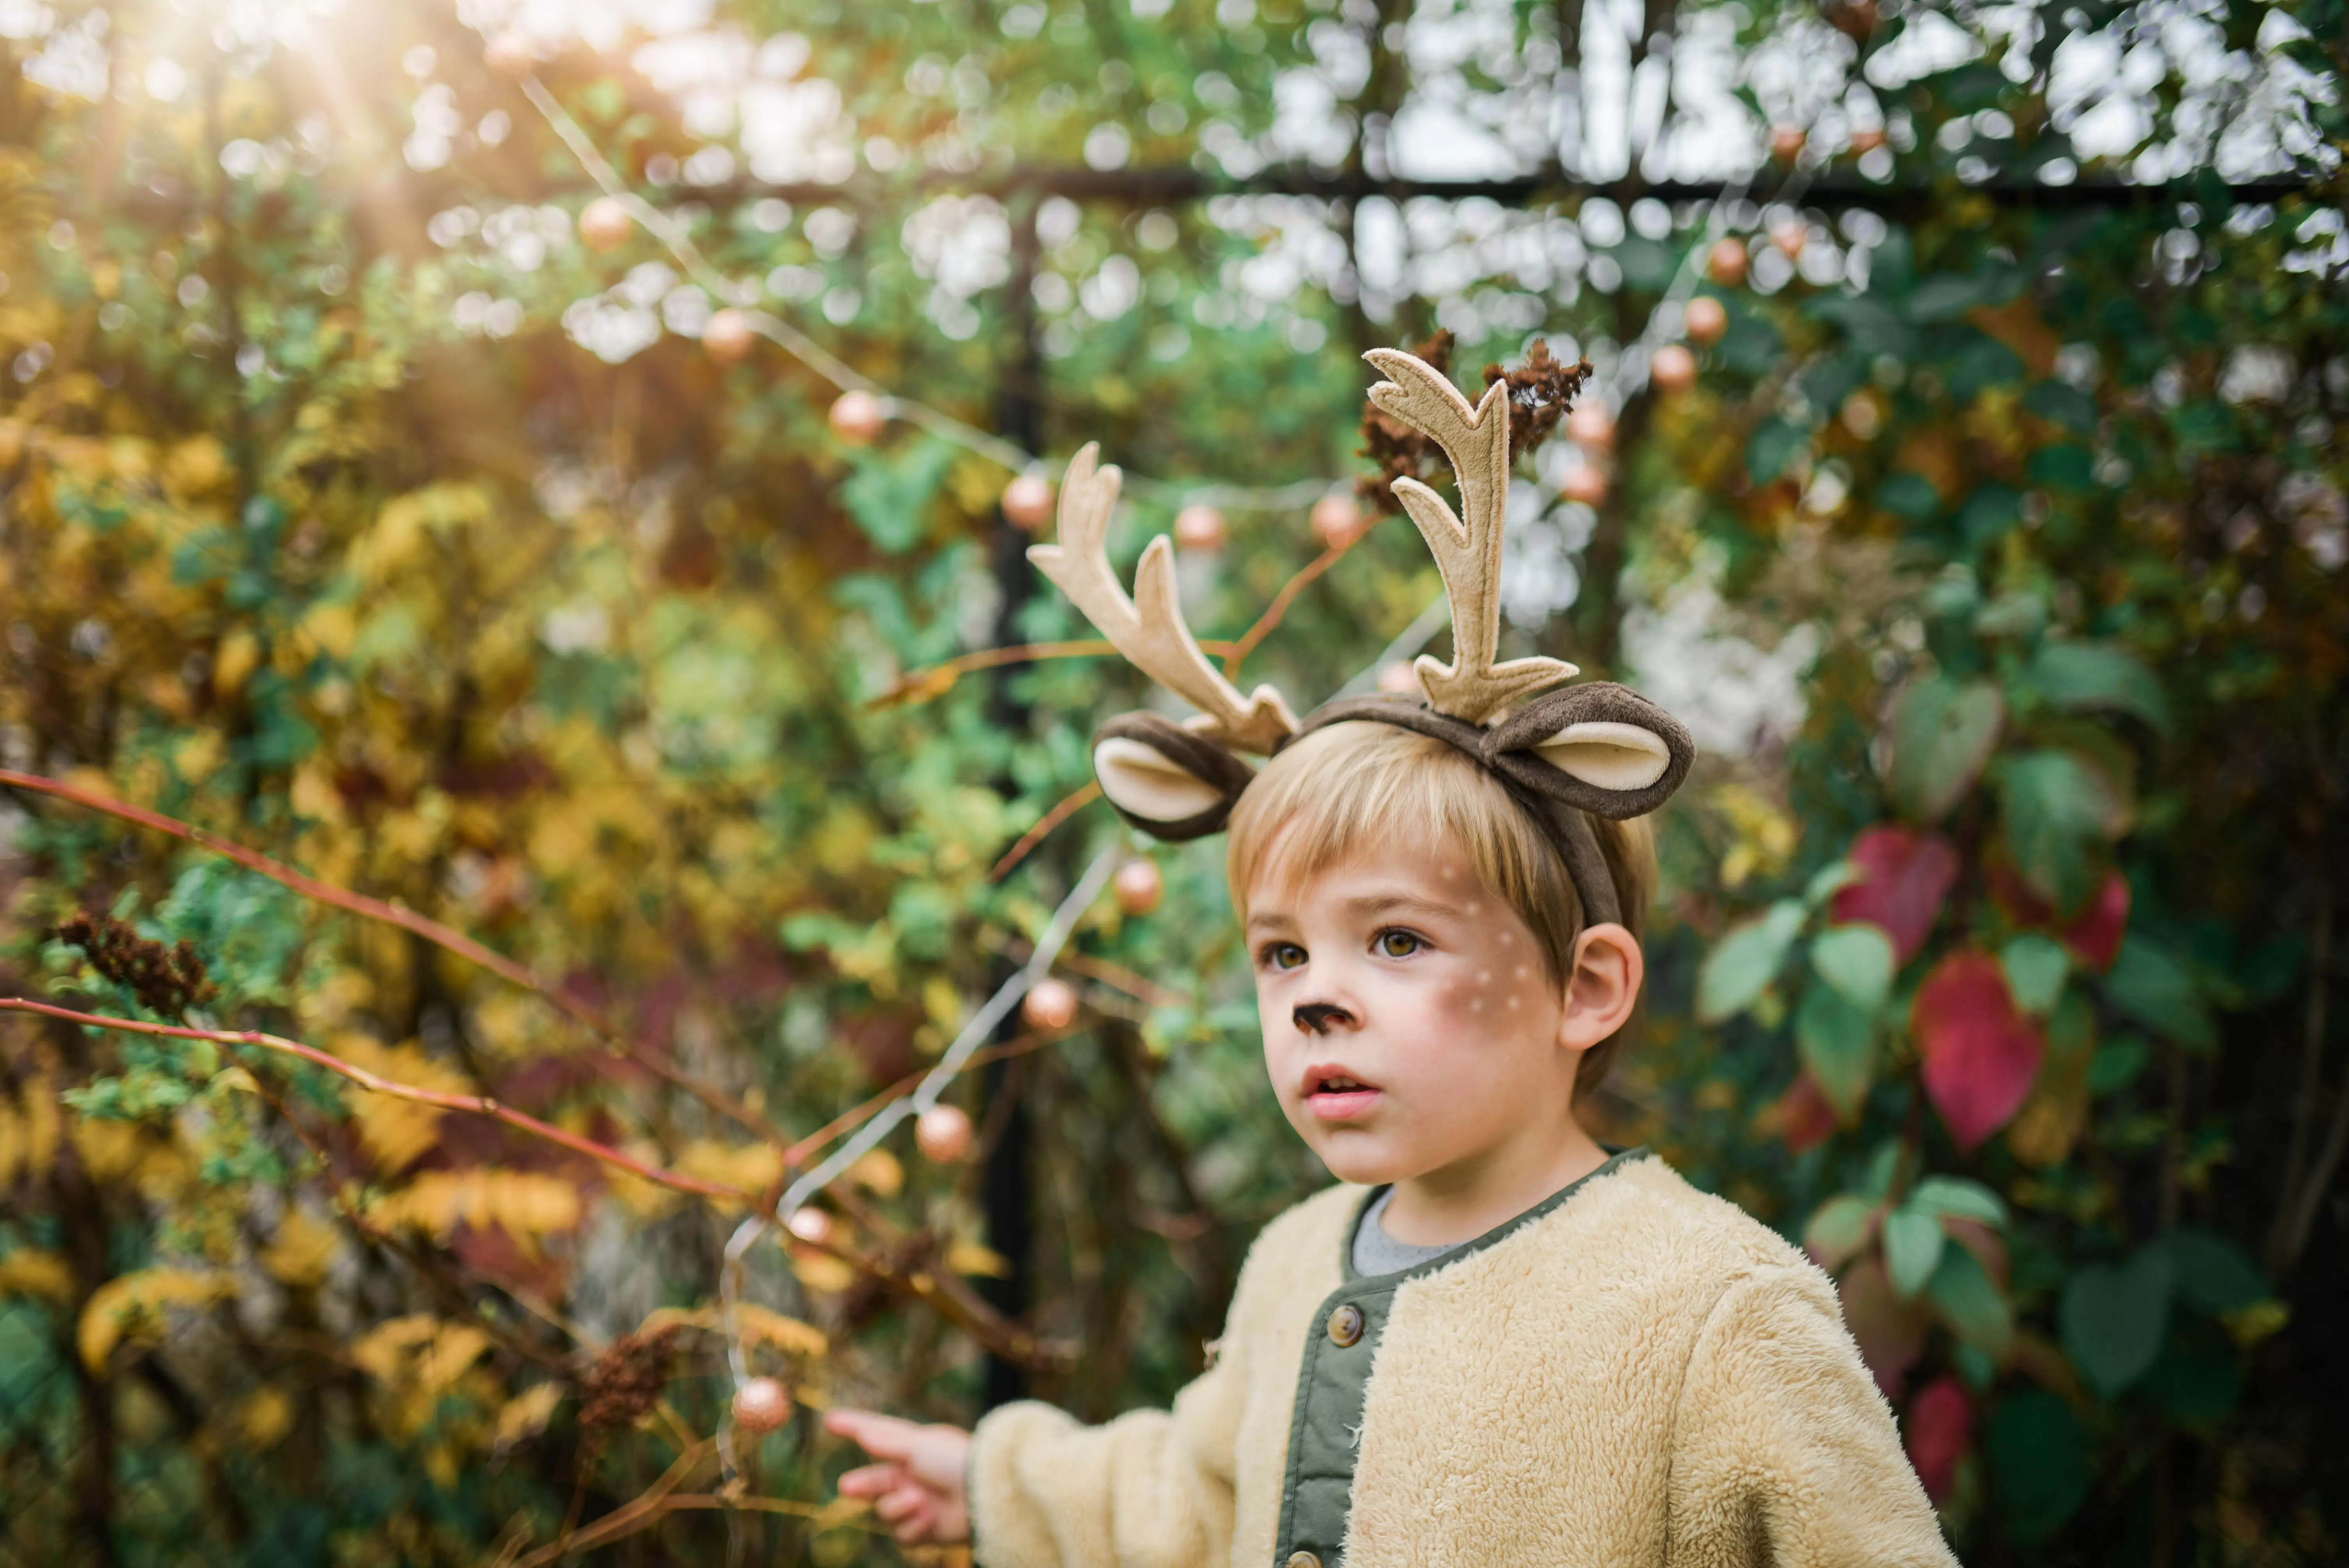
1963,464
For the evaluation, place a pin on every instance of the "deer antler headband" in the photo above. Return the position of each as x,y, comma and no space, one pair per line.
1598,748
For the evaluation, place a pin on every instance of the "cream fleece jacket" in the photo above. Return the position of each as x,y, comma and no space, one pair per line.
1640,1375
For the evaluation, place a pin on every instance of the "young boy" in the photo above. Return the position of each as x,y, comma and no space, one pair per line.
1496,1342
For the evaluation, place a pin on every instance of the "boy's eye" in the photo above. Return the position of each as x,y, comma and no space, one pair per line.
1283,956
1398,943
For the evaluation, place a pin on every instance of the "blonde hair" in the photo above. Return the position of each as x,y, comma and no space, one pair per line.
1362,785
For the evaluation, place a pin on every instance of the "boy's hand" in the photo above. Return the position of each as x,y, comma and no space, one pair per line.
917,1487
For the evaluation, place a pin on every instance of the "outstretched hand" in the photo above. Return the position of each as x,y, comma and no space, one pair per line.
917,1487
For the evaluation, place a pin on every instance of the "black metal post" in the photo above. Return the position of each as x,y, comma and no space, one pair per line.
1006,1188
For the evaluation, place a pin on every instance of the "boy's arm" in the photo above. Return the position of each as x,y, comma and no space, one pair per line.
1783,1450
1150,1489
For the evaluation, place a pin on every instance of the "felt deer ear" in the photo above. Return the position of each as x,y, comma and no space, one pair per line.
1601,747
1171,782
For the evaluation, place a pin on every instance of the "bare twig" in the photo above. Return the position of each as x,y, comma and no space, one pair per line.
478,1105
445,937
1278,609
1069,805
934,681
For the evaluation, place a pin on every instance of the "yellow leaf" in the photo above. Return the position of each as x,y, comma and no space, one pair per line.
420,1352
525,1415
757,1324
522,1202
304,1246
266,1418
975,1258
789,1334
236,1078
397,1133
131,1306
878,1171
823,1273
28,1271
751,1167
12,1144
109,1150
196,467
332,627
315,795
240,652
380,1351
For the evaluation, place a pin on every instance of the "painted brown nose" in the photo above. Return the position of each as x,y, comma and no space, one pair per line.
1316,1017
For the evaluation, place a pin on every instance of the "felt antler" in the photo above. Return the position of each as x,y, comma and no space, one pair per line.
1476,441
1148,628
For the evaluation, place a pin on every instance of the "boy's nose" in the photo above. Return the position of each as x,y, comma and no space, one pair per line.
1319,1017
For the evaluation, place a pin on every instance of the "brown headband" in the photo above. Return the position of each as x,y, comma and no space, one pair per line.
1559,804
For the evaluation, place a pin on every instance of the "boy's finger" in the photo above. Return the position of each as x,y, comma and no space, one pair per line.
883,1436
902,1504
919,1527
872,1481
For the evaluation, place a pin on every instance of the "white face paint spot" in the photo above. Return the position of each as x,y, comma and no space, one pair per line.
1484,977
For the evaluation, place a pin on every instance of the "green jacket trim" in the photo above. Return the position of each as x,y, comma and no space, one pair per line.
1325,1431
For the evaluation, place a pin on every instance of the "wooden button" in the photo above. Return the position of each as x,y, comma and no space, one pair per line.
1302,1559
1345,1328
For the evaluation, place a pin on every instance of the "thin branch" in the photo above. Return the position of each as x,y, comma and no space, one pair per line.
929,684
447,938
478,1105
1278,608
1075,801
631,1516
849,1121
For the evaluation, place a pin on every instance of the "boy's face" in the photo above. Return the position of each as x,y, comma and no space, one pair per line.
1409,1028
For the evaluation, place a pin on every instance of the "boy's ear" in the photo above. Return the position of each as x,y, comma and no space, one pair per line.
1171,782
1602,748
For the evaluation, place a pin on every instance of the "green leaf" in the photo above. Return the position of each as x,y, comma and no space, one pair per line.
2038,1455
1942,734
1969,1303
2116,1065
2036,967
2213,1274
1989,513
1944,297
1828,881
1858,961
1774,443
2064,466
1838,1229
1956,1197
2152,986
1744,962
2063,403
1914,1244
2199,1376
1910,497
2112,1319
890,500
1838,1043
2099,677
2059,810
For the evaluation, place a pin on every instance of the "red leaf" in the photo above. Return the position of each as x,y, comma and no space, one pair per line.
1940,1425
1988,1247
1980,1052
1904,875
2019,900
2095,935
1804,1114
1889,1332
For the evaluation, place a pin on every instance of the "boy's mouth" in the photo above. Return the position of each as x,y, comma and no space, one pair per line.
1333,1094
